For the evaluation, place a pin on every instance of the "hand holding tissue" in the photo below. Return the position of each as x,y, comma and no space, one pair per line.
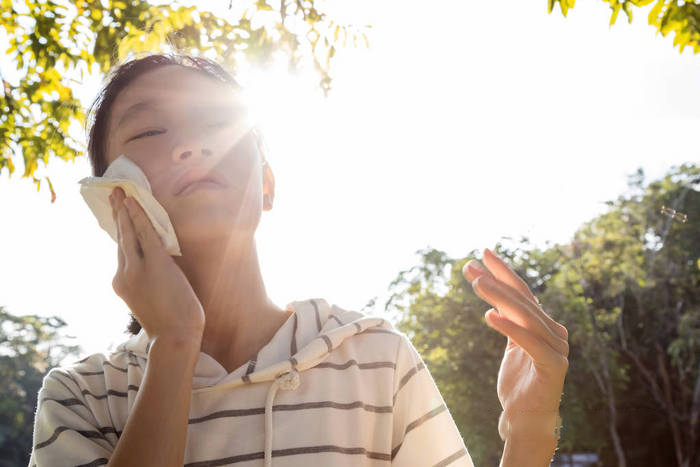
124,173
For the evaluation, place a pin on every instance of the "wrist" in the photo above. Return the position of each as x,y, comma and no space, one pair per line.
540,426
178,344
528,452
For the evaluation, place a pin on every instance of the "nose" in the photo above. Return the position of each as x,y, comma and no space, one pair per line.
192,149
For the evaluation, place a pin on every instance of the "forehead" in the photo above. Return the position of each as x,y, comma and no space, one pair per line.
173,87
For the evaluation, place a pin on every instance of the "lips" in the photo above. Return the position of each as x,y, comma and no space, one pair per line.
198,175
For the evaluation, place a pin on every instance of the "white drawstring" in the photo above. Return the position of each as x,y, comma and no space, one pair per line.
287,381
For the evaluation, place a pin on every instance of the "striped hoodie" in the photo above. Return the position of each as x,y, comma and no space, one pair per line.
331,388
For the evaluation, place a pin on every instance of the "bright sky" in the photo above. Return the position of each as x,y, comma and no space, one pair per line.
462,123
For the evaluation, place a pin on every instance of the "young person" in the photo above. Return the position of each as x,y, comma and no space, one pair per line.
215,372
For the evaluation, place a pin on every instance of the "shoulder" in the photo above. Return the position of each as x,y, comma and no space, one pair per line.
377,334
88,375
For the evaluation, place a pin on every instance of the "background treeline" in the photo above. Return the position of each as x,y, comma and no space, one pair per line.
627,287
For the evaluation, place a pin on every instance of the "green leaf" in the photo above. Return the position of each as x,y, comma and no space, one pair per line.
613,18
655,12
628,11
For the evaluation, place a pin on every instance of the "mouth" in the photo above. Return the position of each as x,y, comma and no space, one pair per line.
208,179
200,184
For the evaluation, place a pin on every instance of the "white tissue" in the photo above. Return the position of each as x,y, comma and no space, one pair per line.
124,173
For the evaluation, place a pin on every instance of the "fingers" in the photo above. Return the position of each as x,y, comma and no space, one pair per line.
121,261
505,274
127,234
146,234
541,353
513,306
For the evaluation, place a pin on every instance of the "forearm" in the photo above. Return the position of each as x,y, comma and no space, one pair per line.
531,438
524,452
156,430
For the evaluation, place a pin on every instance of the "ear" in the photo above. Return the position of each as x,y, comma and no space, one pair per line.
268,186
268,178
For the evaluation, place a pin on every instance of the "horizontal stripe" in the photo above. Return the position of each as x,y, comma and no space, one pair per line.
293,348
318,316
291,452
416,423
379,331
405,378
335,318
111,392
330,448
100,461
251,366
85,433
328,342
291,407
52,377
123,370
450,459
361,366
65,402
334,405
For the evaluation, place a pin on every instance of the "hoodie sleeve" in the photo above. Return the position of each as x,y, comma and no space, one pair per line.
65,430
424,432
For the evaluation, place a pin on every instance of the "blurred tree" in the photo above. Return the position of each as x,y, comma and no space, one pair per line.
628,290
683,18
50,42
29,347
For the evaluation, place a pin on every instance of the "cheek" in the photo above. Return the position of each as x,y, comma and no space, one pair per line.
242,161
149,151
151,158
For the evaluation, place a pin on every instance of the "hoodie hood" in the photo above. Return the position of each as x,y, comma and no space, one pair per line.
303,341
310,333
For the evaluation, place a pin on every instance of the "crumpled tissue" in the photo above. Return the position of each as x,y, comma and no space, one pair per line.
124,173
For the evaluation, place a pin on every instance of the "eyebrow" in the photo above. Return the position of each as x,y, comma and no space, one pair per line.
150,105
139,107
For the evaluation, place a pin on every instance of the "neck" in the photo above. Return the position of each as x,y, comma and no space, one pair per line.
240,317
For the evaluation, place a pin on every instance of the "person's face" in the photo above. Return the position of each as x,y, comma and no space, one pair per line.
196,124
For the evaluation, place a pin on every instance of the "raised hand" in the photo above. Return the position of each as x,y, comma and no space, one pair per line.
535,362
148,279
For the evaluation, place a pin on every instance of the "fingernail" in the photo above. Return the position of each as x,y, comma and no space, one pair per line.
476,266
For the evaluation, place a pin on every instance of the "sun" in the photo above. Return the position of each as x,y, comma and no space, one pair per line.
280,103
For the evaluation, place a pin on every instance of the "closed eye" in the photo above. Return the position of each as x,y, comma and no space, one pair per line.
148,133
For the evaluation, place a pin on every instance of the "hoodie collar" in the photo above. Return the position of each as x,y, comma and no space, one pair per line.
308,319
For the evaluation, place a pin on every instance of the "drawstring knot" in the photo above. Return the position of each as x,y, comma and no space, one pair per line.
288,381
